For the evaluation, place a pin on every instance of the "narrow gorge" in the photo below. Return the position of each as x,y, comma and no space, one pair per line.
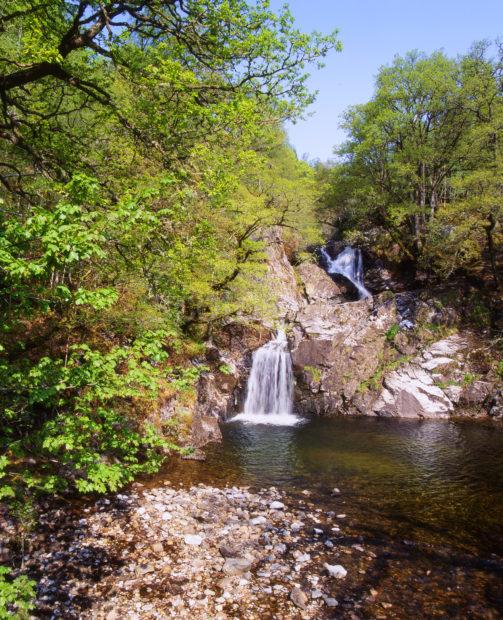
251,334
392,352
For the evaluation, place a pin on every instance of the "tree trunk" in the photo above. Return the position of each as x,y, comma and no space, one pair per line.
489,227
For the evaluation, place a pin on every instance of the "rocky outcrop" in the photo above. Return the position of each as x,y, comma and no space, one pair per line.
281,276
318,286
413,391
337,347
367,357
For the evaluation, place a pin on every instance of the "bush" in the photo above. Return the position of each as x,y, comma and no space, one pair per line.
16,595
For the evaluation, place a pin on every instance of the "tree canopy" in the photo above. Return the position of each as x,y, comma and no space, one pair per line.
423,161
141,155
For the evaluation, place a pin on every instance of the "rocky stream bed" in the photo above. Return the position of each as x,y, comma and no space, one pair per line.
206,553
193,553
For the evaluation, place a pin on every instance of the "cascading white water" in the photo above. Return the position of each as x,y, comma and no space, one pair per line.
349,264
269,393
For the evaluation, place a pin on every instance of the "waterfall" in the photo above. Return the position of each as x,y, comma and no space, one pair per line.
349,264
269,392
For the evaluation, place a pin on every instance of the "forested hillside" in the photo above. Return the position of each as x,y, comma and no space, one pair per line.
141,156
423,164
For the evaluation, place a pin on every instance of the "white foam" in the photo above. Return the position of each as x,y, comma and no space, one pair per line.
273,419
350,265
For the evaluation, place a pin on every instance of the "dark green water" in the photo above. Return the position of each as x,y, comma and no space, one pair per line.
436,482
425,498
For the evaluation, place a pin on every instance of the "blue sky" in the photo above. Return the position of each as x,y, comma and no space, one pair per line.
372,32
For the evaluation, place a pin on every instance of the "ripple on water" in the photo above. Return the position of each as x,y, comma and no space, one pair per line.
437,481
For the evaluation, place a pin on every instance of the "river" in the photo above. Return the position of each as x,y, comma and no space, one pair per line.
427,496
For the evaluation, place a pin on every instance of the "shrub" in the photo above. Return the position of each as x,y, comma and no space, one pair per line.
16,595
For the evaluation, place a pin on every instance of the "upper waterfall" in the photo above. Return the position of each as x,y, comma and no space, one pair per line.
269,392
349,264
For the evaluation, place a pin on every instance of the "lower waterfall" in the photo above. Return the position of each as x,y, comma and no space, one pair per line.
269,392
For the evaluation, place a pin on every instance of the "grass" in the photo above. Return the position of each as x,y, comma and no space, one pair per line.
375,381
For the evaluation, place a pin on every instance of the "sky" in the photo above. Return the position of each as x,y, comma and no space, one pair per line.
372,32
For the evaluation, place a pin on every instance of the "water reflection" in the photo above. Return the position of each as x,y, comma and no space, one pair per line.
255,447
432,479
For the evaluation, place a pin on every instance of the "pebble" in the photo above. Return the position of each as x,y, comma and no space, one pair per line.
335,570
158,548
277,506
237,566
204,556
193,539
299,598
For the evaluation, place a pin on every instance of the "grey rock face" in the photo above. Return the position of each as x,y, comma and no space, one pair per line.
476,393
281,276
318,285
336,348
411,393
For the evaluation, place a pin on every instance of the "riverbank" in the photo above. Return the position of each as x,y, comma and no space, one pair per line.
417,535
196,553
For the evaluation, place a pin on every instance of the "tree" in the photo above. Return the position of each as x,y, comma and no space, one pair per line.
415,155
133,136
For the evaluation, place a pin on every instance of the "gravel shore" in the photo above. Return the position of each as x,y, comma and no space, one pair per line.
200,553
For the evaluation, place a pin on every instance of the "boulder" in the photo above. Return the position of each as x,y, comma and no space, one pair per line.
476,393
495,405
215,391
205,429
411,393
318,285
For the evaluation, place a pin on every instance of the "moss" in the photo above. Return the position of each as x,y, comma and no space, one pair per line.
305,257
392,332
225,369
374,382
315,373
469,378
428,333
445,384
387,295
